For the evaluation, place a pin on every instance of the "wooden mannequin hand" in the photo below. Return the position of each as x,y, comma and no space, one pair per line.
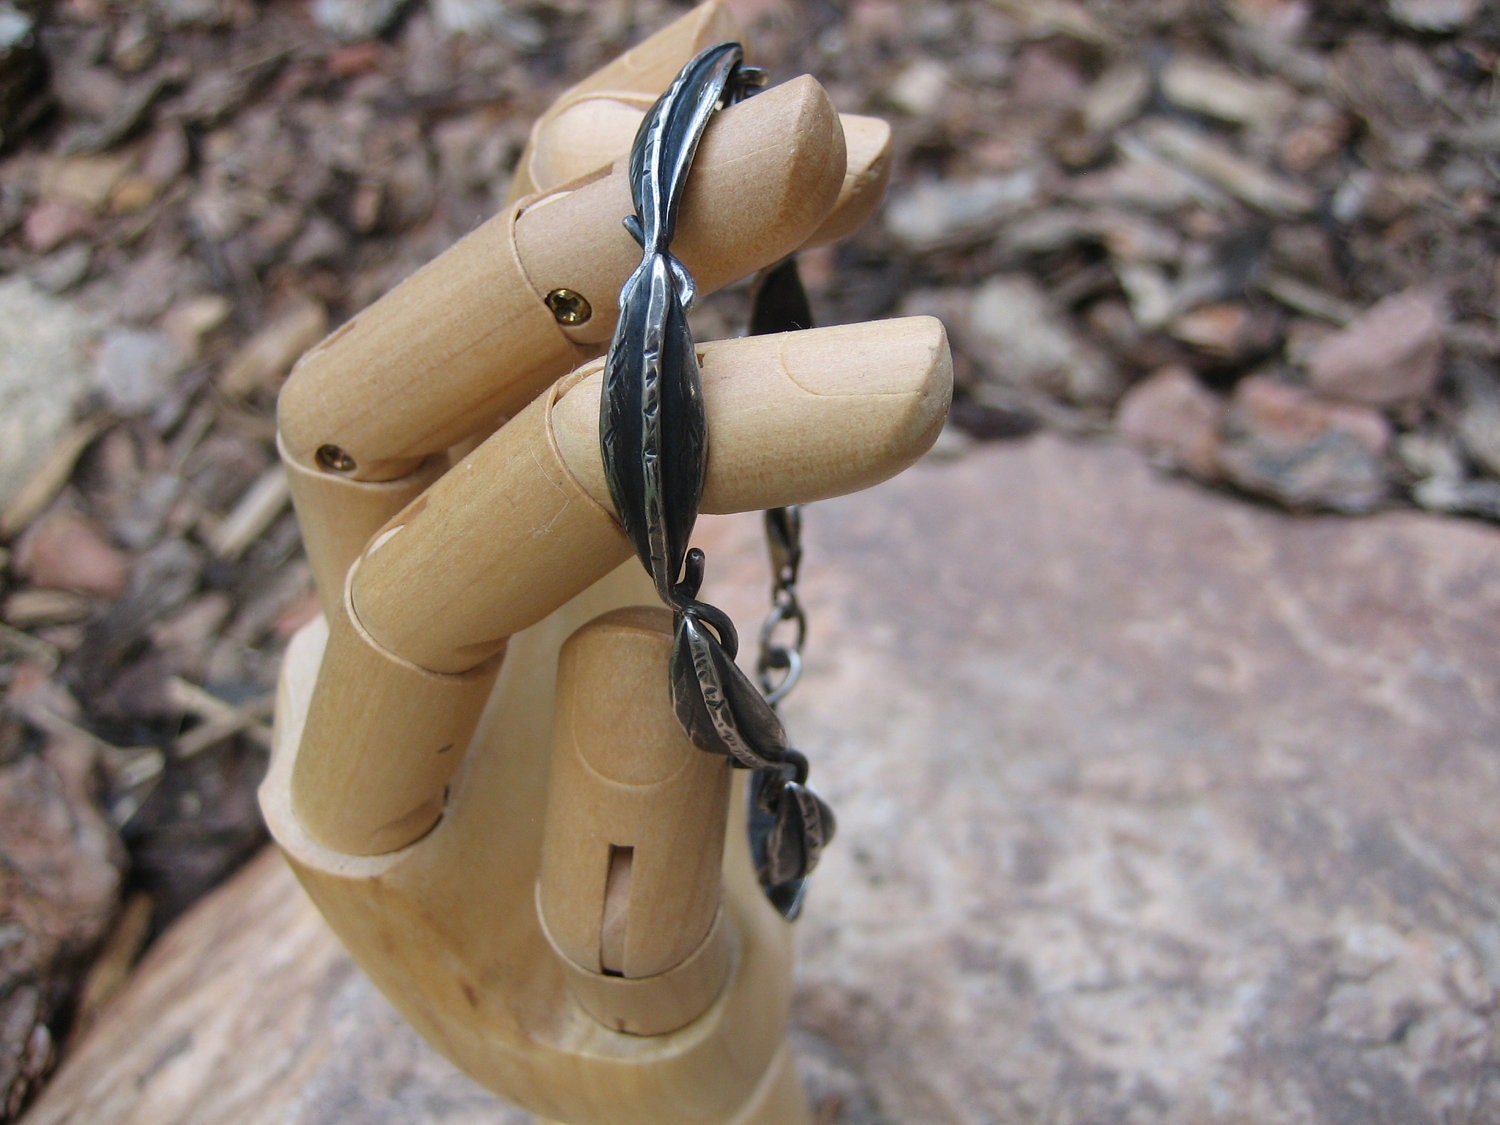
408,786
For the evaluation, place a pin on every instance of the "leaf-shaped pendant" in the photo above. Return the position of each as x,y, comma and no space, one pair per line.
651,420
788,828
810,818
668,138
717,705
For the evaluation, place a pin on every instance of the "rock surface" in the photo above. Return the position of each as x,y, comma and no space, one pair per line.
250,1011
59,881
1153,807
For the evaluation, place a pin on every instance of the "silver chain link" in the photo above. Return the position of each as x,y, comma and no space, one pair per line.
779,665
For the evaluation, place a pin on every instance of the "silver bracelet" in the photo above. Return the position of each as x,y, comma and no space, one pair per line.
654,441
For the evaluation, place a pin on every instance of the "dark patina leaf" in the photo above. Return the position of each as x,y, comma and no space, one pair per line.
788,828
717,705
668,138
651,420
780,303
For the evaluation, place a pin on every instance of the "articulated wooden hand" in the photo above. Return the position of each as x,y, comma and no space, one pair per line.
577,945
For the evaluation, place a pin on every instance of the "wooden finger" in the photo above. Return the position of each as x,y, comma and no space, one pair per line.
599,130
525,521
867,172
471,338
367,416
629,891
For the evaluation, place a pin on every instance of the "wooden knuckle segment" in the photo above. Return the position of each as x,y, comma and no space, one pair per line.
381,741
496,544
454,349
629,890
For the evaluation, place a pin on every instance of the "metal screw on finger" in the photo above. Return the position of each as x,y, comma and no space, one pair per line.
335,460
568,307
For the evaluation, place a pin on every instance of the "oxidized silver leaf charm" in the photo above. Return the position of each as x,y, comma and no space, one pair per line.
654,434
717,705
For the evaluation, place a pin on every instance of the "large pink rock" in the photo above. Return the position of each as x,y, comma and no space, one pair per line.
249,1011
1153,806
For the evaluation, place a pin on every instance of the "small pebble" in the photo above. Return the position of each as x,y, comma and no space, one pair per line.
1434,15
135,368
64,550
941,211
1175,419
352,20
1285,443
1390,354
52,222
